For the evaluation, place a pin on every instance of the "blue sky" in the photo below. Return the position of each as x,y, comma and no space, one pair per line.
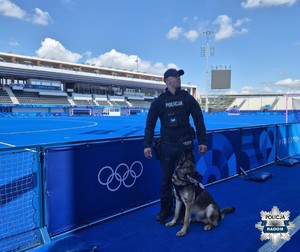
258,39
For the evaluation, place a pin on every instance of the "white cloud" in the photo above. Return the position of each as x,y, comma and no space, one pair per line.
230,92
52,49
191,35
40,17
177,32
266,3
290,83
227,29
266,90
9,9
246,90
116,59
119,60
88,54
225,26
242,21
13,43
255,90
174,33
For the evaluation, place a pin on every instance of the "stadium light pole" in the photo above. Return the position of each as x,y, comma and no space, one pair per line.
137,64
206,52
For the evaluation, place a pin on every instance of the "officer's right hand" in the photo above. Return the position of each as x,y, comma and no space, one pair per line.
202,148
148,153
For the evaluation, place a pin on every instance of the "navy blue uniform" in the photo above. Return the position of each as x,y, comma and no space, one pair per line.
174,112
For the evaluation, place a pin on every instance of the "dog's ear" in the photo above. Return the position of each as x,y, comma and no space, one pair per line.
186,156
182,158
189,155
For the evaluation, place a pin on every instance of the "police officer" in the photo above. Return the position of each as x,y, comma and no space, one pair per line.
173,108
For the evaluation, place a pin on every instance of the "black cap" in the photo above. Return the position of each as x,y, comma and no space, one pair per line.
173,72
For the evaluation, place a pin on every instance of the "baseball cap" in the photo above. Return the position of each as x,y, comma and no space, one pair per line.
173,72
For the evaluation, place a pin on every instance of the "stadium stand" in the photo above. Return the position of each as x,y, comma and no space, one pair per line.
219,103
4,97
252,103
35,98
216,103
279,102
139,103
54,83
101,100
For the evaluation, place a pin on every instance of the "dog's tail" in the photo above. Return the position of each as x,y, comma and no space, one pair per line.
226,210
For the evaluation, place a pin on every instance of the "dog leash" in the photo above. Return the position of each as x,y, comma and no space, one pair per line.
195,182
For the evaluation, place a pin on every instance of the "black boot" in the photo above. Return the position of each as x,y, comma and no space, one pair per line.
163,215
165,211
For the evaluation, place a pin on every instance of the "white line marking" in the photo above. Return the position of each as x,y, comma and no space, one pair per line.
11,145
7,144
48,130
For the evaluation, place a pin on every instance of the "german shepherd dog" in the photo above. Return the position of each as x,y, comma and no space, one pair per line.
196,199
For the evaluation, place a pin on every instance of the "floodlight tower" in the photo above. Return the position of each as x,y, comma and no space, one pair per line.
137,63
207,51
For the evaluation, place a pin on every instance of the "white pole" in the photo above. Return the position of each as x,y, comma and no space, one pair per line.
286,108
137,64
206,76
207,54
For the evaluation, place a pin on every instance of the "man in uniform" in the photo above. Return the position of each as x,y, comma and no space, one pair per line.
173,108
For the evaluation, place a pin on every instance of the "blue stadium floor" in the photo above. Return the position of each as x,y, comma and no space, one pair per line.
138,230
36,131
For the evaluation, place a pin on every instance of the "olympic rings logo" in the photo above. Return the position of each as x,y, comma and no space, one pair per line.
122,175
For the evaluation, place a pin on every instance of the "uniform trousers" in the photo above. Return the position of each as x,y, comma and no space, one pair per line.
169,156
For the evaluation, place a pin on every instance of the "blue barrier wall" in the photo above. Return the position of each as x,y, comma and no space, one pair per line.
228,150
89,182
220,161
288,140
258,147
93,181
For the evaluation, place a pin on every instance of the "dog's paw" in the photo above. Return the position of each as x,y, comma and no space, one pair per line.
170,224
208,227
181,233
